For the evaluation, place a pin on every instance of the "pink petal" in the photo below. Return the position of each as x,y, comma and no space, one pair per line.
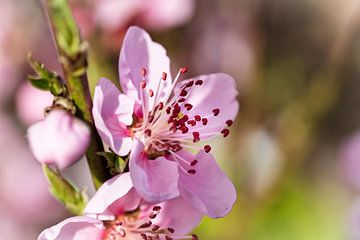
218,91
139,51
114,197
75,228
112,114
178,214
155,180
209,189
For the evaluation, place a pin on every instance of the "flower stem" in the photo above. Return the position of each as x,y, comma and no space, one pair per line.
72,53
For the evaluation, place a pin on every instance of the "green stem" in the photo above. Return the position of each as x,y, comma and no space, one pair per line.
73,58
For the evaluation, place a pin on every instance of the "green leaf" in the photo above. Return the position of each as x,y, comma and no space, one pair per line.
116,164
45,79
74,199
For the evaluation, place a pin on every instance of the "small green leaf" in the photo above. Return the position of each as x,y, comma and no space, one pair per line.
45,79
74,199
116,164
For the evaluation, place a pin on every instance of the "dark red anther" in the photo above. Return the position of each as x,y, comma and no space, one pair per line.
204,121
152,215
183,93
189,84
173,129
168,110
181,100
143,84
192,122
225,132
171,230
143,72
196,136
194,237
146,224
160,105
164,76
229,122
151,118
156,208
151,93
197,118
147,132
188,106
155,228
185,118
199,82
168,238
143,236
184,129
207,148
184,69
176,147
216,111
194,162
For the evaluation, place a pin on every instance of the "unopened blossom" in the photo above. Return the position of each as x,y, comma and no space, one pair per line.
60,139
117,212
159,118
114,16
31,102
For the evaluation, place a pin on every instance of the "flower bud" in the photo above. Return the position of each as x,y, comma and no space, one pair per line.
60,139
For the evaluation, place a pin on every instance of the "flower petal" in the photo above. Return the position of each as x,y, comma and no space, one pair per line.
114,197
155,180
74,228
209,189
112,114
139,51
218,91
179,215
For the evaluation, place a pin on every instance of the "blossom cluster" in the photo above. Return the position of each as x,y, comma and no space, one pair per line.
159,124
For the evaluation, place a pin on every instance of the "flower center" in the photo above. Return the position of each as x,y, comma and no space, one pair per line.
171,122
131,226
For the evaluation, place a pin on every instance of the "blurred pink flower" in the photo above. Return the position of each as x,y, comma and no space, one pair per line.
169,116
116,15
60,139
354,221
20,179
31,103
350,160
117,212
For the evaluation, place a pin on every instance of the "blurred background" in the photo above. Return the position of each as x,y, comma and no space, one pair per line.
294,151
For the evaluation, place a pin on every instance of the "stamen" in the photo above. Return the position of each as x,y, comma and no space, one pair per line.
194,162
225,132
204,121
143,84
143,72
164,76
216,111
229,122
151,93
207,148
199,82
184,69
191,171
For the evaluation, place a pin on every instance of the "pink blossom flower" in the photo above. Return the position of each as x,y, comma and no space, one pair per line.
115,16
60,139
350,160
158,118
117,212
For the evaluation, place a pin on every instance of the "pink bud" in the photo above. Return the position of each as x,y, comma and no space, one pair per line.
60,139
